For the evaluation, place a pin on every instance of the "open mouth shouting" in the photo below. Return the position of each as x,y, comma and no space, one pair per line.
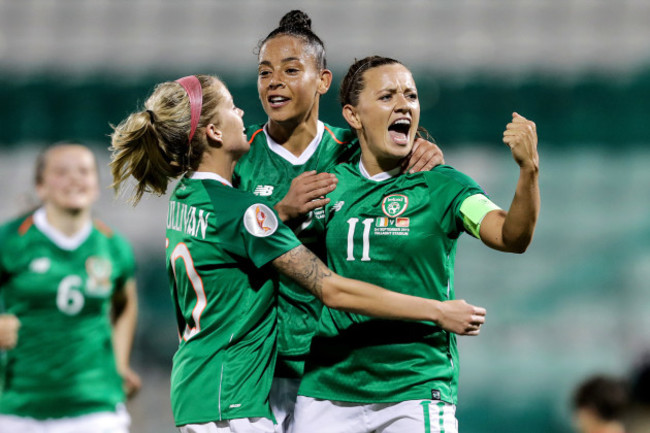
399,131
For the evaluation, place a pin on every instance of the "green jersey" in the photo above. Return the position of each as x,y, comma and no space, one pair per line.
398,232
219,240
60,289
267,171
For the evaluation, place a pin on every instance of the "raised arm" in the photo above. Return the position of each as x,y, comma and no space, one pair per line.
356,296
512,231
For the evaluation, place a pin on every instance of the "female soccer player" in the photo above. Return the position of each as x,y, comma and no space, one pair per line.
220,243
62,274
288,163
400,231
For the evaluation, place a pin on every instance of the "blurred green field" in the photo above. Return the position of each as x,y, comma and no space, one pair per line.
589,109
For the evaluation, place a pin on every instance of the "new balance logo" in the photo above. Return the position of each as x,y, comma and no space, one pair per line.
40,265
263,190
337,206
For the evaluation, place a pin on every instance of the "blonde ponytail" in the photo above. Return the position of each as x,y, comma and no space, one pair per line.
152,145
137,152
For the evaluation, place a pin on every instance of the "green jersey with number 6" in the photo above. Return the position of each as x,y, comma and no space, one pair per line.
399,232
60,289
267,171
219,244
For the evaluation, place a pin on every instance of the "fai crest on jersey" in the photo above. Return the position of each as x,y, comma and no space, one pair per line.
260,220
99,276
394,205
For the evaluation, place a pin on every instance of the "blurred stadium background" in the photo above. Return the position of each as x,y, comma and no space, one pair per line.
575,304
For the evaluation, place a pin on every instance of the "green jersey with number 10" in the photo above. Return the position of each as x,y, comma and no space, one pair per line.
399,233
219,240
63,364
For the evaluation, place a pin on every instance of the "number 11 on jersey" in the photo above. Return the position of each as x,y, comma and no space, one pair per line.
365,252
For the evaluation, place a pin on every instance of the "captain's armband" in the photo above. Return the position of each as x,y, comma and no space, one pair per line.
473,210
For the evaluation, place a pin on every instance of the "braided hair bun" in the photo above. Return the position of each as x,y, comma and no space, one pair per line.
295,19
297,24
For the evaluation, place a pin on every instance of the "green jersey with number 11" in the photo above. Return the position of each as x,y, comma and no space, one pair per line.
60,289
399,232
219,240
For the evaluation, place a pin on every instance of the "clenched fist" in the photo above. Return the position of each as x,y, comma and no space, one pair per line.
521,136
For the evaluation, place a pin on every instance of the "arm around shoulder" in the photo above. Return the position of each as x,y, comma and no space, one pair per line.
360,297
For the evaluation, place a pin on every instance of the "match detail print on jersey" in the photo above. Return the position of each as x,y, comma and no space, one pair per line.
260,220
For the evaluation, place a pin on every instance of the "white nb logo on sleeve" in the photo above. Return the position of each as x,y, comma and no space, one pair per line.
263,190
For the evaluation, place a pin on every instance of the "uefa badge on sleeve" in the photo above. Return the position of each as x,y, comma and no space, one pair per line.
260,220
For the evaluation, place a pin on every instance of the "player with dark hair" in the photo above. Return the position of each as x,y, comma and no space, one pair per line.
223,249
61,275
639,418
400,231
287,165
600,404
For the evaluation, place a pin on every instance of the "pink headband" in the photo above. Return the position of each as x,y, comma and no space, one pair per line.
192,86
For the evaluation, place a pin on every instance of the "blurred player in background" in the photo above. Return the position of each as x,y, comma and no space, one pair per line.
600,404
220,241
400,231
68,290
638,420
287,165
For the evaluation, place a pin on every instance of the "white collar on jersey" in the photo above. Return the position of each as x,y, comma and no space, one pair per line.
290,157
379,176
200,175
60,239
